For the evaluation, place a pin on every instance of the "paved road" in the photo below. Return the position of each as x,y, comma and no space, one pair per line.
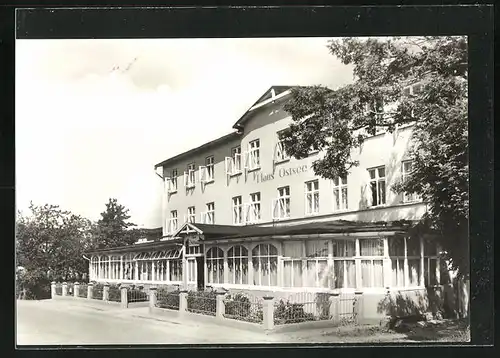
74,323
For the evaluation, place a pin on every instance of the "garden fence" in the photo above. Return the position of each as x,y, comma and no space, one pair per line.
203,302
59,289
168,298
82,290
114,294
137,295
244,307
97,292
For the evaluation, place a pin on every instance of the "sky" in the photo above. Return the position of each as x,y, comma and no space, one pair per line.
86,133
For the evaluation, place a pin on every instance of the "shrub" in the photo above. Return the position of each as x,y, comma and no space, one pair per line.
202,301
97,291
114,293
136,295
291,313
168,298
240,307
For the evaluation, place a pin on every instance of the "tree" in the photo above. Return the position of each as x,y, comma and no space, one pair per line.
50,244
113,229
338,121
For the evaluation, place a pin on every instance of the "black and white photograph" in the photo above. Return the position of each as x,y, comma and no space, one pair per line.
242,190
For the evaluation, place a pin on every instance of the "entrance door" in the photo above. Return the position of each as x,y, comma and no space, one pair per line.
200,263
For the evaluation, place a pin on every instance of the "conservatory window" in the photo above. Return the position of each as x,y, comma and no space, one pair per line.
292,264
237,261
372,270
215,265
344,266
317,263
265,263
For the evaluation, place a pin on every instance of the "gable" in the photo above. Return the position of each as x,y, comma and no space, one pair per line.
273,94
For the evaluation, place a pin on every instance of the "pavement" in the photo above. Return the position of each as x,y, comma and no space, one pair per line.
68,322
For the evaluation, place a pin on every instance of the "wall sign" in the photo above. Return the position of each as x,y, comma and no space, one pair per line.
260,177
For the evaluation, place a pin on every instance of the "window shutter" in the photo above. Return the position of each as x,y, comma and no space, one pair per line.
246,160
203,174
186,177
273,208
185,218
227,165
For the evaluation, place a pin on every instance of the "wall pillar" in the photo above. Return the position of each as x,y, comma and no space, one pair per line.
105,292
53,289
219,305
268,312
335,307
64,289
359,307
357,265
184,273
152,297
76,290
226,268
183,301
422,262
124,297
90,290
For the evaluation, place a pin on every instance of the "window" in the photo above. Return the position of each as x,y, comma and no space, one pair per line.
372,272
397,255
280,153
236,157
173,222
253,209
407,169
189,176
281,205
265,263
210,214
292,264
233,163
432,265
317,264
253,157
344,266
209,163
215,265
237,263
172,182
192,269
175,270
377,186
312,197
340,194
191,215
237,210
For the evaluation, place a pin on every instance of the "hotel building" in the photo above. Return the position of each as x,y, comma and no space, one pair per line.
240,214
